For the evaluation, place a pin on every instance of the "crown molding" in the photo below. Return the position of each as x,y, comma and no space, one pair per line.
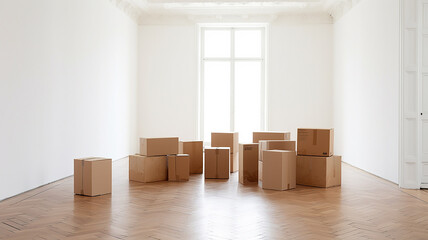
340,8
289,19
127,7
335,8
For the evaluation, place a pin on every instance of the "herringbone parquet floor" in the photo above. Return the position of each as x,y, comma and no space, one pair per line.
365,207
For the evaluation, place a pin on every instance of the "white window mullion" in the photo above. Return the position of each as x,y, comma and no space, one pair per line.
263,87
202,86
232,80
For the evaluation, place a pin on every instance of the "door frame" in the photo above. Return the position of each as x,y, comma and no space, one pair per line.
410,106
423,72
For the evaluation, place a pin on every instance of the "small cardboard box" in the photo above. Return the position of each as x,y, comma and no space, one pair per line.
248,163
195,149
178,167
225,139
260,174
158,146
92,176
257,136
319,171
315,142
279,170
217,162
148,169
275,145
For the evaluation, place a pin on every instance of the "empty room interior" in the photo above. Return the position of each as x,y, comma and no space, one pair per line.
214,119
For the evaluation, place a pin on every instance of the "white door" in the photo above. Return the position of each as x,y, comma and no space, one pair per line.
423,86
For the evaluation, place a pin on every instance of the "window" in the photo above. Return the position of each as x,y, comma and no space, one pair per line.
232,76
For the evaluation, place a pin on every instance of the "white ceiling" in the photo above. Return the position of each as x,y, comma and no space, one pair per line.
233,7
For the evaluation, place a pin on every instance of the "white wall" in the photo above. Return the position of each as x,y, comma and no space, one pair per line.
168,81
300,72
67,88
299,82
366,81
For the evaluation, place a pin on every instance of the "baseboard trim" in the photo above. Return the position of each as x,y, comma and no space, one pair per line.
43,186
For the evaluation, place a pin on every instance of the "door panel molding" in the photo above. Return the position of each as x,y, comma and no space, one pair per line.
409,176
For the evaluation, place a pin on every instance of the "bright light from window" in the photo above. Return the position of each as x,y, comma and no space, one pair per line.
248,44
247,99
217,44
216,97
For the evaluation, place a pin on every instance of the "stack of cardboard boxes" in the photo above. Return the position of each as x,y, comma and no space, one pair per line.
230,140
223,155
159,160
269,141
316,164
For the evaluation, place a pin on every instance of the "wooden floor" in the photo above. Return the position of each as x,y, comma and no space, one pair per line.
365,207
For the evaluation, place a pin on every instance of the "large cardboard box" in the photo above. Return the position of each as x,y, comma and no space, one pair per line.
217,162
319,171
148,169
158,146
92,176
195,149
257,136
279,170
178,167
231,140
248,163
315,142
275,145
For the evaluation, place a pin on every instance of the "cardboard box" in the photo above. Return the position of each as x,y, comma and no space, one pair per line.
260,174
217,162
158,146
230,140
225,139
275,145
148,169
257,136
248,163
315,142
319,171
92,176
195,149
279,170
178,167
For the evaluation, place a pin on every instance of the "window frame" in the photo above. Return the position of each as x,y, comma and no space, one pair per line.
232,60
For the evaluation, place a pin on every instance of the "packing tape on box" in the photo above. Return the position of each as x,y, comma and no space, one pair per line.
175,167
334,167
167,165
177,177
83,166
315,138
216,162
